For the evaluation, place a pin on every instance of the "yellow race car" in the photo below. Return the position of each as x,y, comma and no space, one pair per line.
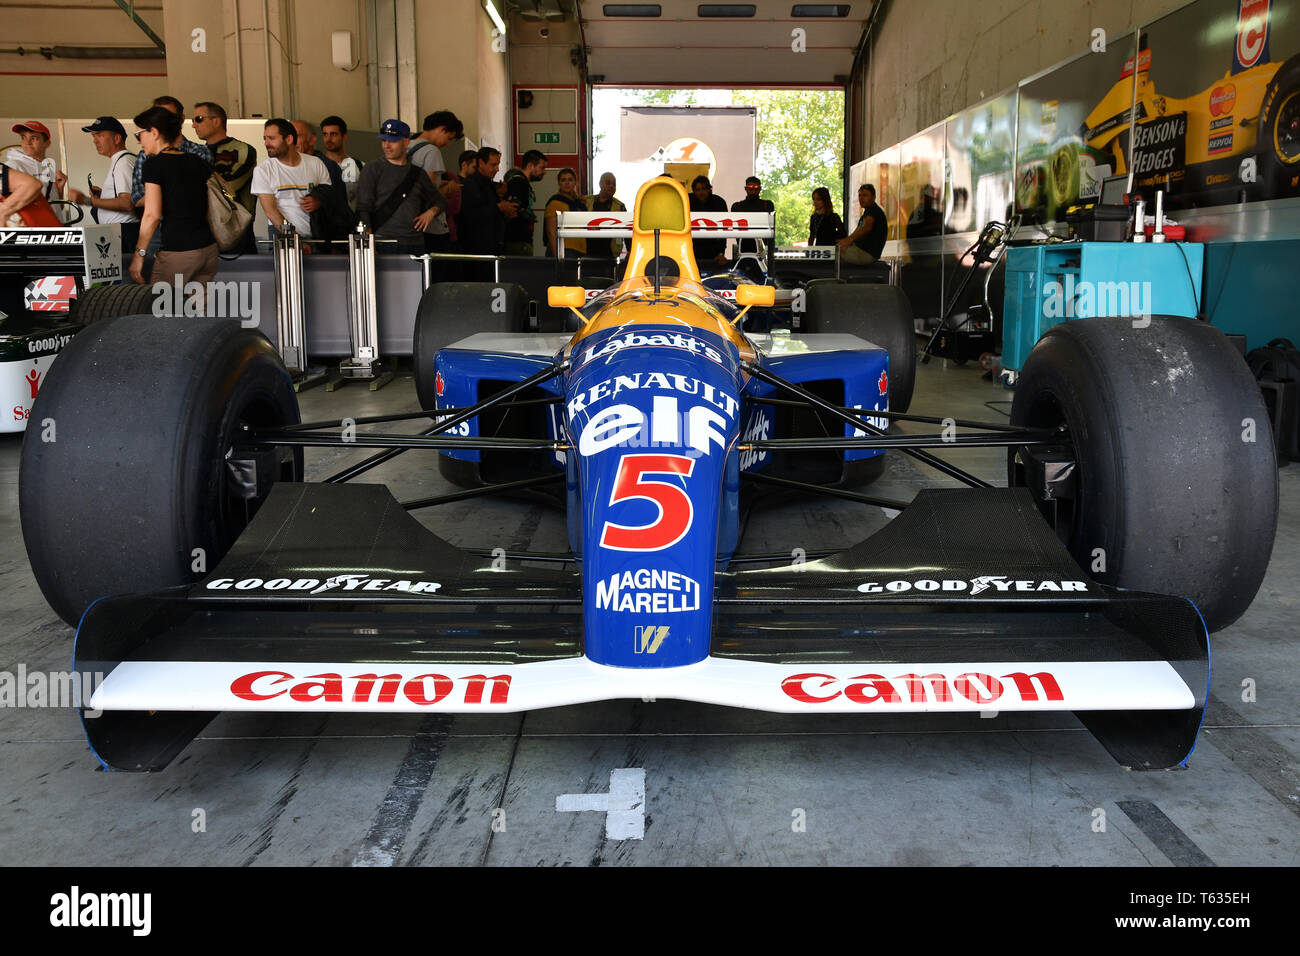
1243,133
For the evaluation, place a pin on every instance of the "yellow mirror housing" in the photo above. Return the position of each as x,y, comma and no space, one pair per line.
566,296
762,295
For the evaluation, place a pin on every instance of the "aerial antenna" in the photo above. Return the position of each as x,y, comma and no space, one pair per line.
657,264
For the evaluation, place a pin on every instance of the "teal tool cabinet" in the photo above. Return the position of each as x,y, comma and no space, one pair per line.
1052,283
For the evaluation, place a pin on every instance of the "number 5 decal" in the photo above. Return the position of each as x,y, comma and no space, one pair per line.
675,510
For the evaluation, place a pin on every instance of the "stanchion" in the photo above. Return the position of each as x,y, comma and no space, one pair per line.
363,315
290,309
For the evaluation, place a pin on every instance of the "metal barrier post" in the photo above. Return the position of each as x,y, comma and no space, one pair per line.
290,309
363,313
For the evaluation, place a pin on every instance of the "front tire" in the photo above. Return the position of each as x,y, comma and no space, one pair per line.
1176,486
123,484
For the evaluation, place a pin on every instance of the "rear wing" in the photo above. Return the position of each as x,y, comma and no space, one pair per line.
618,225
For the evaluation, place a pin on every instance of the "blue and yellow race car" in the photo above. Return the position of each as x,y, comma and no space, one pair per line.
204,575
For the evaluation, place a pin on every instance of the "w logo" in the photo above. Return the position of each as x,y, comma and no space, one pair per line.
648,639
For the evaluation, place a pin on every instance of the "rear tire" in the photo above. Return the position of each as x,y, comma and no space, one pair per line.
109,301
881,314
1279,145
450,311
1168,488
123,468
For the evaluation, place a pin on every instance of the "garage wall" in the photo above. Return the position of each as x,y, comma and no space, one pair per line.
60,86
458,70
929,59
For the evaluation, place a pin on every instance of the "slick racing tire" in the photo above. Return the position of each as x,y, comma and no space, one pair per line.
880,314
450,311
1176,477
109,301
1279,132
123,475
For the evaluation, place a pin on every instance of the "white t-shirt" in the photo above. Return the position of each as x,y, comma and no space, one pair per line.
121,167
289,185
44,169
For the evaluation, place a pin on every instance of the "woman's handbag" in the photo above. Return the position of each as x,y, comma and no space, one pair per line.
227,218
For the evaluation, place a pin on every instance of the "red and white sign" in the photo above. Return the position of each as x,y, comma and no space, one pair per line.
1252,34
782,688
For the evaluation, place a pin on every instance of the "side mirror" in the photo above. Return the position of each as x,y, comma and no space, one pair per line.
566,296
747,295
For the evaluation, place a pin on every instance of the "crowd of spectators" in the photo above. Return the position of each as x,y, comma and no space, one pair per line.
310,183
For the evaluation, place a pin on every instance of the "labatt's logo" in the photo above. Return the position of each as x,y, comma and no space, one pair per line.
985,583
1252,34
673,340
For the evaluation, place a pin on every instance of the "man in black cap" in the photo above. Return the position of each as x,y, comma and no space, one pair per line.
112,201
395,198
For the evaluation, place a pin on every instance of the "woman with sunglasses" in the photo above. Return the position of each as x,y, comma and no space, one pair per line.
175,195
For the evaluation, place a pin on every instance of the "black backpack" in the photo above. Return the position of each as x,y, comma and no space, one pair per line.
334,219
1276,367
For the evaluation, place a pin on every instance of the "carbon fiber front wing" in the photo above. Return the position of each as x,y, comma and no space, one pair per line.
335,599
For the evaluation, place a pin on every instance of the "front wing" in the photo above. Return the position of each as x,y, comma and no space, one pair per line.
933,613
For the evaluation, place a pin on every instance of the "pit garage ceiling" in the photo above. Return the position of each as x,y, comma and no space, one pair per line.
684,46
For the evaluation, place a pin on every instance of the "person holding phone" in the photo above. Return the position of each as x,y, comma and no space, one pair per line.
112,202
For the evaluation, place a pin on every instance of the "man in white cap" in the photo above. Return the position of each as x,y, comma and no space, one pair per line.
112,201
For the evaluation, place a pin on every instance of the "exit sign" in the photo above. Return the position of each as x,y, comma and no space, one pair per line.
546,137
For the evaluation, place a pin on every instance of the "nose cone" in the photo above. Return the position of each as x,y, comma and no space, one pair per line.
653,415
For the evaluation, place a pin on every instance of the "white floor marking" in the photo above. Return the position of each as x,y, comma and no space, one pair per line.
623,806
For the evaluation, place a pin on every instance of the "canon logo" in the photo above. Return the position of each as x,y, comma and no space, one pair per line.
424,690
919,688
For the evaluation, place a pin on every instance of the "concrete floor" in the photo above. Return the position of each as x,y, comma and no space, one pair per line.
720,786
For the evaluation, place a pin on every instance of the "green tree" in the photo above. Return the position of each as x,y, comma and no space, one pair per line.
800,144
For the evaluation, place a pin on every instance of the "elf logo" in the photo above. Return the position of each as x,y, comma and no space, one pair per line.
646,640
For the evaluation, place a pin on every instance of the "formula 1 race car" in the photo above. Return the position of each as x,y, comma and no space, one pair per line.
1242,133
205,576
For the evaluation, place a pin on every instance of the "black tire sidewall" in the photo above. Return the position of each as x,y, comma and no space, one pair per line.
450,311
1168,488
144,409
1273,171
110,301
880,314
